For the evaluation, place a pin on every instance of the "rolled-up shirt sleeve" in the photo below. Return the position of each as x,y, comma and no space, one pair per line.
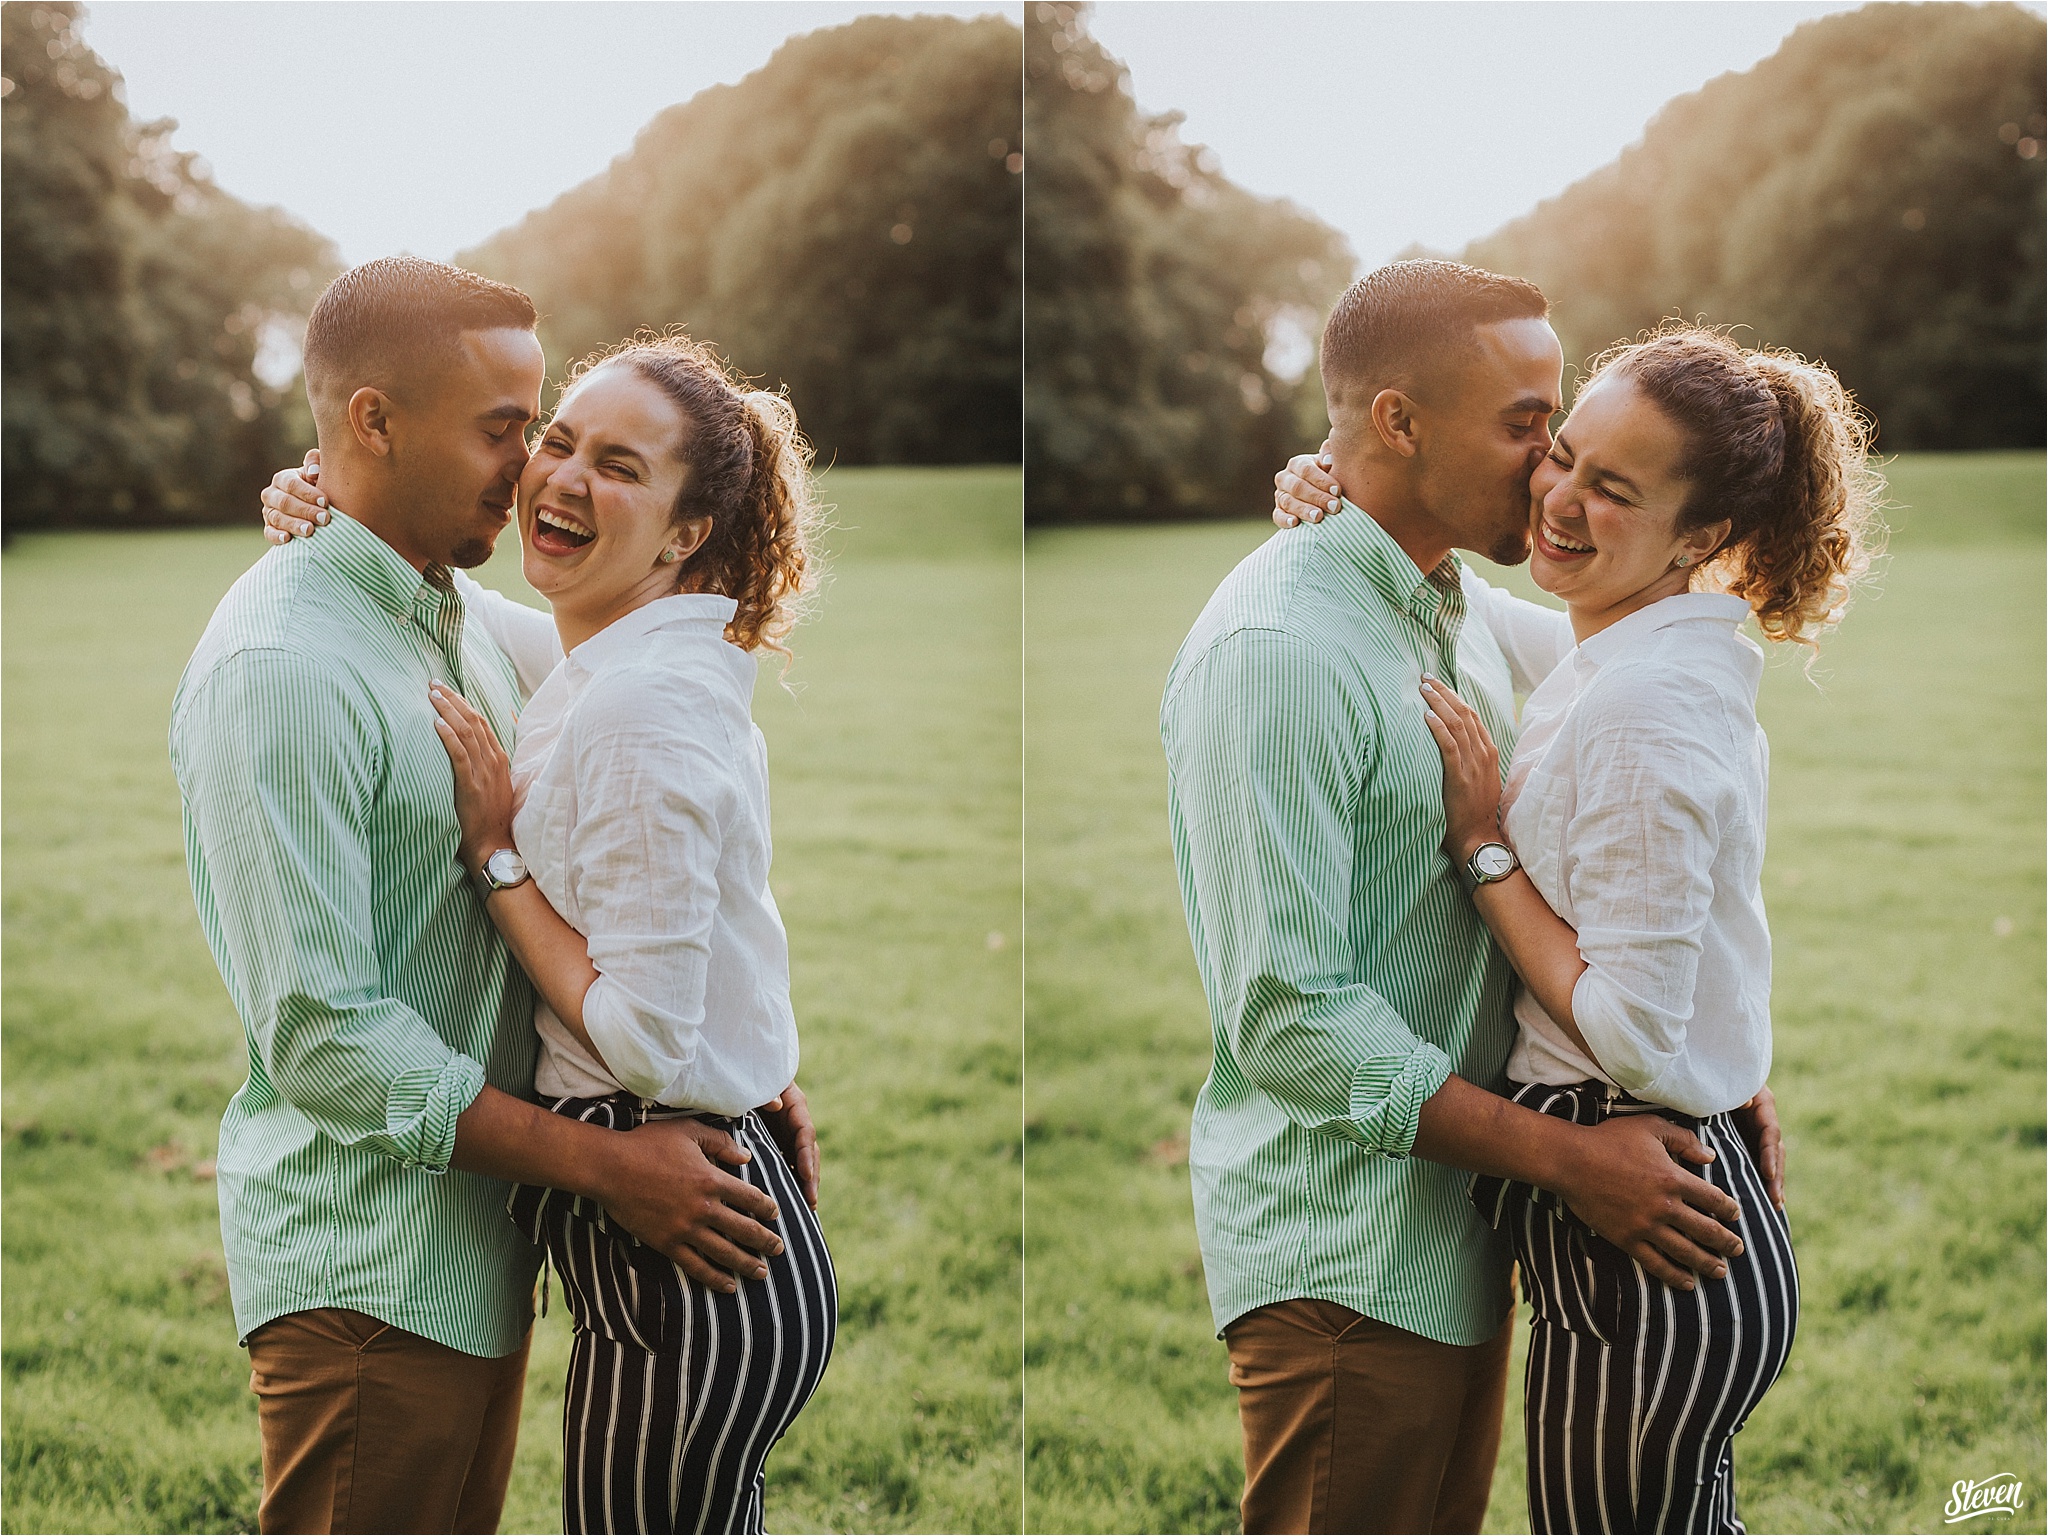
1643,837
657,790
279,766
1267,748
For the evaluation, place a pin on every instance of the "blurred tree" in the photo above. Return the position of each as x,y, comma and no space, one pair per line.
1173,315
845,220
1871,194
143,307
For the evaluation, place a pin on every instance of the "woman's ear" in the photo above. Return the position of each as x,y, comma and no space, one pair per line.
686,539
1699,545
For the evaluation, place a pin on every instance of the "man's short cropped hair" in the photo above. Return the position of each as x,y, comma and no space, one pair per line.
1411,316
399,318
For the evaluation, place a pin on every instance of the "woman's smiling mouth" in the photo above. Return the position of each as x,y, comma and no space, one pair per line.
1557,546
556,533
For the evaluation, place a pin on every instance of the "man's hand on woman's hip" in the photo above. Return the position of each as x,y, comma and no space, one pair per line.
1624,1180
660,1181
666,1188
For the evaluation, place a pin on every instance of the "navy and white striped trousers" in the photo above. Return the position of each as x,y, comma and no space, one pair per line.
1635,1391
676,1393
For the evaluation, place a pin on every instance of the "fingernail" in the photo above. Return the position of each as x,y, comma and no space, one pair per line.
319,501
1325,460
1288,522
1333,506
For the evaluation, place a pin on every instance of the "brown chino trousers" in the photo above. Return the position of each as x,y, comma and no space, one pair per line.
369,1428
1351,1424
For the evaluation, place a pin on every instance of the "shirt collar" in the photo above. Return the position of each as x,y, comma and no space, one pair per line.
363,559
687,610
1662,614
1359,539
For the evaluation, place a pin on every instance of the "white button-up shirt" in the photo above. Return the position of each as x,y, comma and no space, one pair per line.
1636,801
640,786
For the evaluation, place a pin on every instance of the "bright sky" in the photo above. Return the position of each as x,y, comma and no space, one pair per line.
425,127
1431,122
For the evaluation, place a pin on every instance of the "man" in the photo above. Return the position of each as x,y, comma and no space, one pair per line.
384,1296
1360,1012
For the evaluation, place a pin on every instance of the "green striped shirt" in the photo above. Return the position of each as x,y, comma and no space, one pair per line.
375,995
1346,971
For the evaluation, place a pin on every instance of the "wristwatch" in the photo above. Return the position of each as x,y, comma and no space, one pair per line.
1490,862
501,871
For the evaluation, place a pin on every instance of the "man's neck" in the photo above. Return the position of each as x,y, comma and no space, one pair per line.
370,505
1388,501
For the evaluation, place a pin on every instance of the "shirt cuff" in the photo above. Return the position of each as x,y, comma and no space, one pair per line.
1387,1096
1619,1042
421,1110
628,1047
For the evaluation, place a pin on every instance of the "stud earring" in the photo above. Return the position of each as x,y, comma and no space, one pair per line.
1685,559
668,557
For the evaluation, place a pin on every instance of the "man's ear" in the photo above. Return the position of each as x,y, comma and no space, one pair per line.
369,418
1393,418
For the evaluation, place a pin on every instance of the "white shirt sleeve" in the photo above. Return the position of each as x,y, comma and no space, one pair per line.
1655,796
1532,637
524,634
657,788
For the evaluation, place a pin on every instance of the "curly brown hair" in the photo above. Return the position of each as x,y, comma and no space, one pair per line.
1779,448
746,467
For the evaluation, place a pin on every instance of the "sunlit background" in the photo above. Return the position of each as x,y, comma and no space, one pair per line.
426,127
1858,183
830,192
1428,125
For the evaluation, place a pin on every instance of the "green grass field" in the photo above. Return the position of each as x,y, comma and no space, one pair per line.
897,781
1905,883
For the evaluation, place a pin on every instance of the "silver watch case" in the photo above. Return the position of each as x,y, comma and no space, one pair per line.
501,871
1491,862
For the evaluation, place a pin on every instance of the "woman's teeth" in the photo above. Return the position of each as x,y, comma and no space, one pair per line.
1570,545
563,529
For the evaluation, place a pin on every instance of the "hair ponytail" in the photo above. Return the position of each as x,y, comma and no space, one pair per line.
778,572
1778,448
748,469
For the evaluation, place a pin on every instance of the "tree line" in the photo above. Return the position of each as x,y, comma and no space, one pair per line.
1871,194
850,222
149,318
844,221
1163,303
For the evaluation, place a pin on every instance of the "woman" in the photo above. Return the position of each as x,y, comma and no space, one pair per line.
1696,484
666,515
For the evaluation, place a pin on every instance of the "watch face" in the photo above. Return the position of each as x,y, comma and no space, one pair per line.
505,867
1492,860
